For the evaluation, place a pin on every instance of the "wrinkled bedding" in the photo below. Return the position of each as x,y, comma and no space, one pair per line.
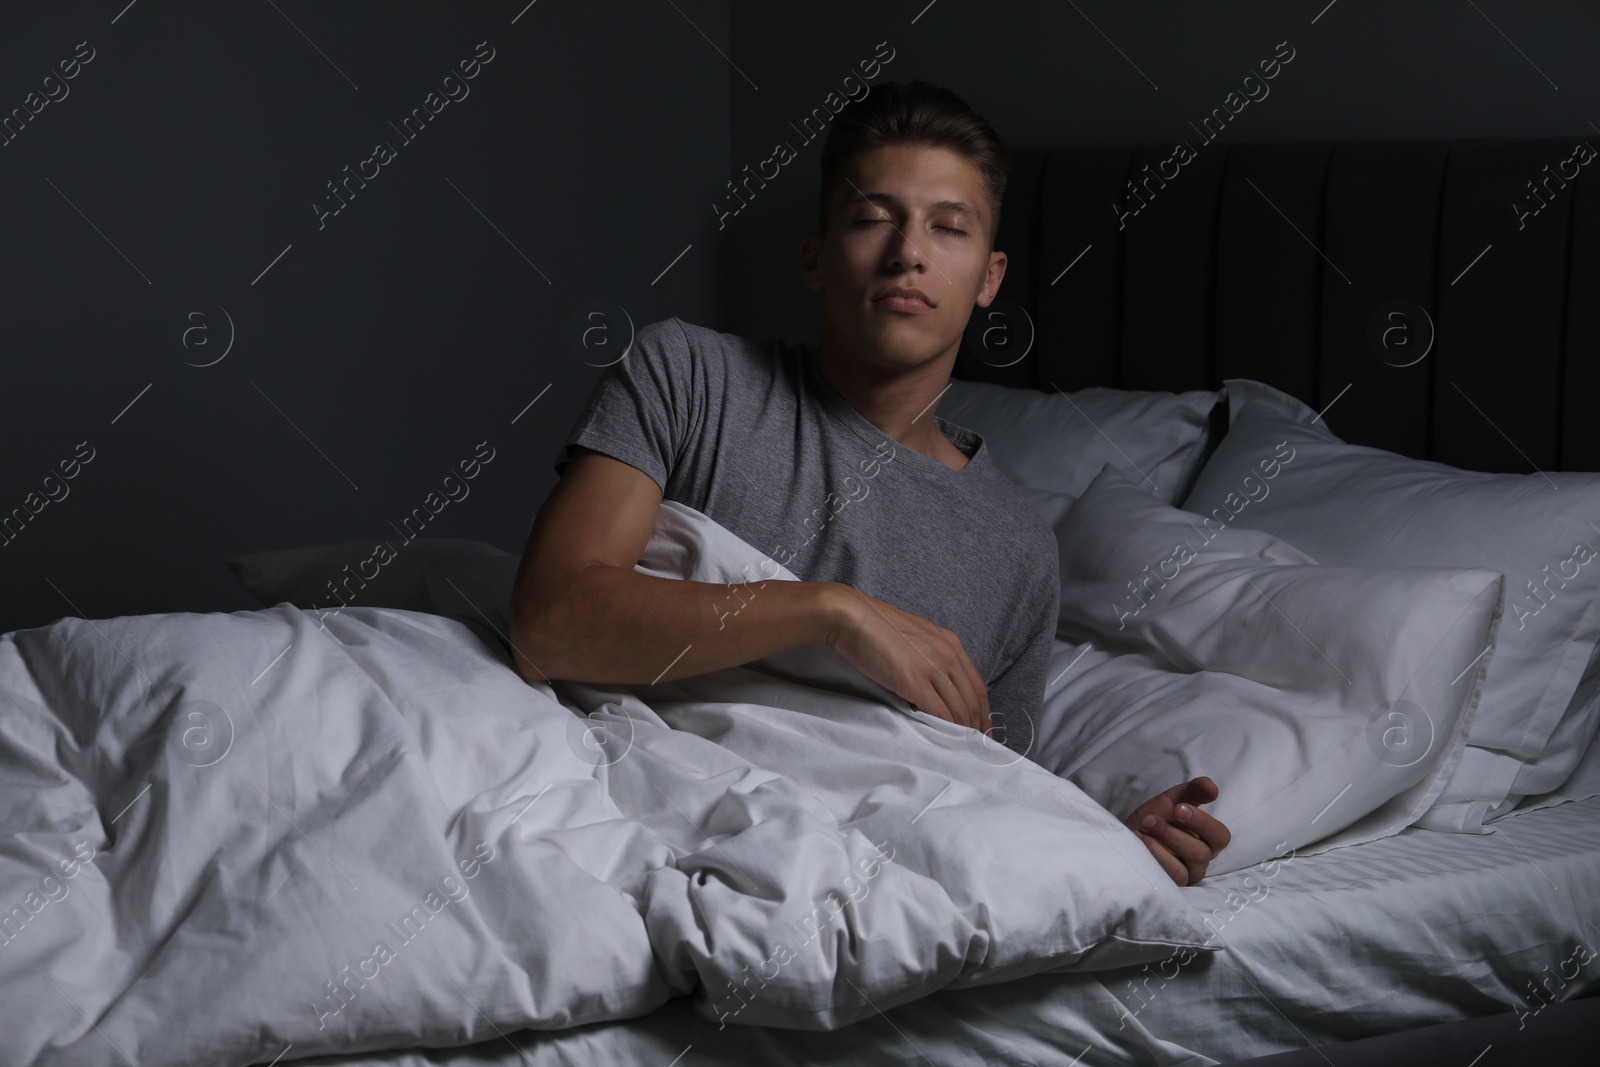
278,833
288,833
1418,928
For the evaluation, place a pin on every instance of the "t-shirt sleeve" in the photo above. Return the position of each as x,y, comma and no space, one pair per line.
646,406
1016,697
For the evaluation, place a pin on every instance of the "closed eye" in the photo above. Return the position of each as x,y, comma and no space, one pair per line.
946,229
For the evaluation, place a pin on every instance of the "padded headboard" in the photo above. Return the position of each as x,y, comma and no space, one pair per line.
1316,266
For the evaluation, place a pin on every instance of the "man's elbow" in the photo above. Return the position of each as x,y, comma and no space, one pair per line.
534,652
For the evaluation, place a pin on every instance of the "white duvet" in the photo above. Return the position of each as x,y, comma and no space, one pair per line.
234,837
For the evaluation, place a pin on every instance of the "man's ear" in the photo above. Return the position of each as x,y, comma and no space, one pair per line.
810,252
991,281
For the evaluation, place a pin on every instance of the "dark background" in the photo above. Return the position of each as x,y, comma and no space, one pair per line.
375,353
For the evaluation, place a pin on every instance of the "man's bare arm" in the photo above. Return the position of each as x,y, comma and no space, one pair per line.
580,612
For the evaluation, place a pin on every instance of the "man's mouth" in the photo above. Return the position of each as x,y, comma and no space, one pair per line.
902,300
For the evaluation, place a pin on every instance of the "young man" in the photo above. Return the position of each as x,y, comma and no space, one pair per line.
921,564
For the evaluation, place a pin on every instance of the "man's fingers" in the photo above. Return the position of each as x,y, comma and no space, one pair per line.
1203,825
1194,853
980,692
968,681
965,698
973,691
1198,790
933,703
1175,868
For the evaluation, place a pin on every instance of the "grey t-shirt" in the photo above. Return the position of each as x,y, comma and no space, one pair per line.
752,436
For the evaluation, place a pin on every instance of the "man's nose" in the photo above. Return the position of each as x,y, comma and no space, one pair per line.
903,253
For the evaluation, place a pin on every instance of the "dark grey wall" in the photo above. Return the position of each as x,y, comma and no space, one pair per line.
374,354
389,339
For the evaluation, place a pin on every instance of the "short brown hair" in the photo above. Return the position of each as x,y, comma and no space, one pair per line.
923,114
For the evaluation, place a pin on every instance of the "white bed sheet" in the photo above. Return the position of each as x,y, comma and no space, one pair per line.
1414,929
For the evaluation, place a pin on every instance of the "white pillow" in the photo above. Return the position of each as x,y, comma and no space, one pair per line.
1584,781
1322,700
1350,505
1059,441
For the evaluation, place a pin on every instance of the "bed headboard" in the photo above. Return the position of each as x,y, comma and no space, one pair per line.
1453,286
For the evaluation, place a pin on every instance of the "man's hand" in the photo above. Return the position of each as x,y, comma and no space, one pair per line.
1178,834
918,661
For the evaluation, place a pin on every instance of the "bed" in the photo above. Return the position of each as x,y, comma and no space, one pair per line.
1368,916
1397,298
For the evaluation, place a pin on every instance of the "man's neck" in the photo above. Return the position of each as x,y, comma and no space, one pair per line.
900,404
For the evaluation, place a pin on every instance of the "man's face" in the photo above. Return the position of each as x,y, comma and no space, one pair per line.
913,218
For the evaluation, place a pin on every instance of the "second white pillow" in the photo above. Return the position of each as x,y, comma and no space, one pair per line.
1059,441
1328,703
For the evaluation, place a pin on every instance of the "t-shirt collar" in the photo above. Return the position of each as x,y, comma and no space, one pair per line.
968,441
